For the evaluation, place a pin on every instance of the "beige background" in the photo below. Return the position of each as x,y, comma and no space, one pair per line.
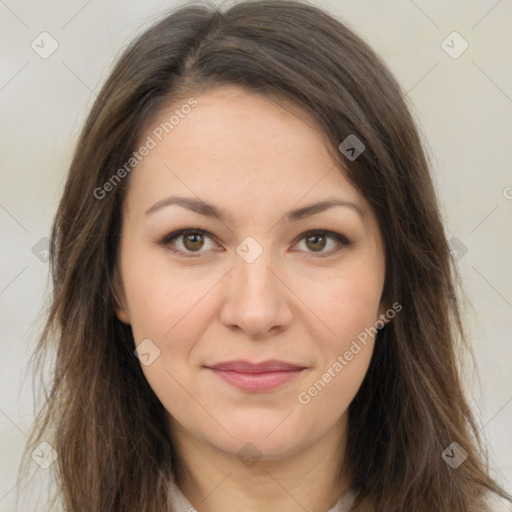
463,105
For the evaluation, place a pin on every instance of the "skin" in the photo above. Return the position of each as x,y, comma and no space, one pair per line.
256,160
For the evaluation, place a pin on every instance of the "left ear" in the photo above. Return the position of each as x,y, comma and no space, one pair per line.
120,305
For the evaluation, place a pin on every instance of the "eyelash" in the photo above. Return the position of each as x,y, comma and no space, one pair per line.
166,241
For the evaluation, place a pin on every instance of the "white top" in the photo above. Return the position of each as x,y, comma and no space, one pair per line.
181,504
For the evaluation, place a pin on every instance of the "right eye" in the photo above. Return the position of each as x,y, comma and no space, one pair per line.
191,240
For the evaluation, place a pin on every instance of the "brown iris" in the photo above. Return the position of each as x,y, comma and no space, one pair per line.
318,242
193,241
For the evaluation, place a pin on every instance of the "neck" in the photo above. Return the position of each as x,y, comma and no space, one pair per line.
213,480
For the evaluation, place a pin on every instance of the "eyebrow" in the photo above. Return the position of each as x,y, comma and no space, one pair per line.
209,210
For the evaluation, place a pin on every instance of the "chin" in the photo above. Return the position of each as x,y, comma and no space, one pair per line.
257,439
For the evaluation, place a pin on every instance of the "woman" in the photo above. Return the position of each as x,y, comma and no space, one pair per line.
253,305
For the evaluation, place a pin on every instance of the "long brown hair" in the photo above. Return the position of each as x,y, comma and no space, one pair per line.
100,414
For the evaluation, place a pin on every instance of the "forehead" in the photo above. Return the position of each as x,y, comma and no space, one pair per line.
237,148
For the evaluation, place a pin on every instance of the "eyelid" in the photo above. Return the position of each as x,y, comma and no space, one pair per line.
341,239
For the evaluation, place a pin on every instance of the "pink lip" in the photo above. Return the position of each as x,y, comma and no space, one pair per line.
256,377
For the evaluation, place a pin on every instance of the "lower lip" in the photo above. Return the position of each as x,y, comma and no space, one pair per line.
257,381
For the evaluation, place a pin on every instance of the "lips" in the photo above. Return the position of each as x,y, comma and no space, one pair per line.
256,377
241,366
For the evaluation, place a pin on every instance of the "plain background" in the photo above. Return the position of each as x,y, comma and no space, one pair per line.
463,106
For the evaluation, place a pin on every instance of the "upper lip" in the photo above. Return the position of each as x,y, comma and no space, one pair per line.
241,366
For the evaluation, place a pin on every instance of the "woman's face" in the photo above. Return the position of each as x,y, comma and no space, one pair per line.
261,281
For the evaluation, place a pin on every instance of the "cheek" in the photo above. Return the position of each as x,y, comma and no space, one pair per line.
162,297
345,355
348,305
347,300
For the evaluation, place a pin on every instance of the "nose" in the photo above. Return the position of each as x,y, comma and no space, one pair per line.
257,302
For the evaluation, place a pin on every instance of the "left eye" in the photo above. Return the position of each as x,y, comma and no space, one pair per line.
192,241
317,240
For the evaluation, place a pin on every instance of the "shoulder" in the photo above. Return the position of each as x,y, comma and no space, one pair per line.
178,501
497,504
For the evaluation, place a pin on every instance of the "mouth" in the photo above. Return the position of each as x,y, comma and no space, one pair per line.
257,377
